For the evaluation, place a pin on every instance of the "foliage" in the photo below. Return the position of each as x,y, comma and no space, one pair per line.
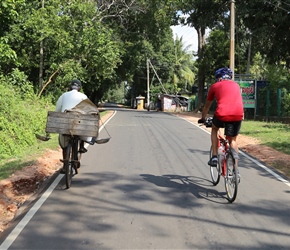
183,73
104,43
267,23
117,94
20,119
216,53
74,43
285,102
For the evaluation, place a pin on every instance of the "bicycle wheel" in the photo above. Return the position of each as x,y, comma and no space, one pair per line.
68,167
214,171
75,155
231,178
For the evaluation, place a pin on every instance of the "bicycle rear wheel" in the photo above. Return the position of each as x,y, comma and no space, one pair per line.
68,167
231,178
214,171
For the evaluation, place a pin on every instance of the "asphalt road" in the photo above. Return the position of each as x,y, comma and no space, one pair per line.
149,188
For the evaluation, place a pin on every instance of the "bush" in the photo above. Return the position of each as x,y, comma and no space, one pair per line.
22,115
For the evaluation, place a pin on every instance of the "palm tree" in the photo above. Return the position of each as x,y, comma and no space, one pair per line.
184,66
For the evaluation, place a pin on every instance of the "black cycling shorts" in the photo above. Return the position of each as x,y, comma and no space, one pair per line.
231,128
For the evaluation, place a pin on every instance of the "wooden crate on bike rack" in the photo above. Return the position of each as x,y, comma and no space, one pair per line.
72,123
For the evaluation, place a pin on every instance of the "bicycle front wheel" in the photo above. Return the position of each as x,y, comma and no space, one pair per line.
231,178
68,167
214,171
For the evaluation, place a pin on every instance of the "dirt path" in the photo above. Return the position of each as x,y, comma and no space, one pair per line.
15,190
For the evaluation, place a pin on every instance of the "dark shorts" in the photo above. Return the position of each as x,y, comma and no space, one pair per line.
231,128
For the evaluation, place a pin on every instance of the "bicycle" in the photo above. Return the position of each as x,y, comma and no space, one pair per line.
74,125
72,162
226,166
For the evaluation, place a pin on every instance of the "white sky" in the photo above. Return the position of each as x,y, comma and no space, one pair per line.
188,34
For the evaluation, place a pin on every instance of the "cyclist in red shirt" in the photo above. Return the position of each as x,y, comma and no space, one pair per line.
229,112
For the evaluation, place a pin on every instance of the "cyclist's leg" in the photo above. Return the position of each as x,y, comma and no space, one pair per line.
234,144
216,125
82,148
214,139
63,141
232,129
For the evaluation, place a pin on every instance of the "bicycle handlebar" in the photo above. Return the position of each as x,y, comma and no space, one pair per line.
207,122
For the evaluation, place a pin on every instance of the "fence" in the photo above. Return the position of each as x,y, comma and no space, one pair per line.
272,105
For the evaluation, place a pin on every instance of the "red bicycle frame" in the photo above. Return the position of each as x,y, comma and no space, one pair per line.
225,142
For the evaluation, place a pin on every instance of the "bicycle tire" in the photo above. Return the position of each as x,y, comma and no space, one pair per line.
68,167
231,178
75,155
214,171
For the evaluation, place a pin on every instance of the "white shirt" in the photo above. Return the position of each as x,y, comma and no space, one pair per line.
69,100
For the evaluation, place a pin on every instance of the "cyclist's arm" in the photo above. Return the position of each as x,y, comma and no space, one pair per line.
206,108
58,105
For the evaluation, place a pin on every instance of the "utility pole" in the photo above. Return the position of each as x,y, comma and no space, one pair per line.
232,41
148,84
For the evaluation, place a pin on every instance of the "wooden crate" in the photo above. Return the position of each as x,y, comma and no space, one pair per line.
72,123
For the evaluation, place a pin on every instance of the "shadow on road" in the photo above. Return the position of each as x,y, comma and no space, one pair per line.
199,187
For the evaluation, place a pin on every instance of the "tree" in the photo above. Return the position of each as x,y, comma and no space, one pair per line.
183,67
146,35
74,45
8,14
267,23
202,15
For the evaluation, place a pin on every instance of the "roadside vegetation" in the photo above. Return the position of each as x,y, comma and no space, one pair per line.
113,46
22,116
273,134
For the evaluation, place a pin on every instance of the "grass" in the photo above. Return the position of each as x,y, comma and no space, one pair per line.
29,155
272,134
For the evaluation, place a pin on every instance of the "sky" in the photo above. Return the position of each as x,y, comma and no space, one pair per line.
188,34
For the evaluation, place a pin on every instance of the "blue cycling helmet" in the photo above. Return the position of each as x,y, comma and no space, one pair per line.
224,73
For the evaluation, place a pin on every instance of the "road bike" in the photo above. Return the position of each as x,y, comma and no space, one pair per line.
226,166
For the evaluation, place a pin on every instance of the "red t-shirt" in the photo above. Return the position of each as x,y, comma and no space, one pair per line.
229,100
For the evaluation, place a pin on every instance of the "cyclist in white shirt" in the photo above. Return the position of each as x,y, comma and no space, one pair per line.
70,99
67,101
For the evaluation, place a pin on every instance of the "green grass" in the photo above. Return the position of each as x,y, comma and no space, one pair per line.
29,155
272,134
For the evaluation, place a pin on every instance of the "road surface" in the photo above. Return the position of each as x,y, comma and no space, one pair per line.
149,188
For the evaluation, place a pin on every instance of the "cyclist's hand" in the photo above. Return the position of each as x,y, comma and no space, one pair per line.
201,120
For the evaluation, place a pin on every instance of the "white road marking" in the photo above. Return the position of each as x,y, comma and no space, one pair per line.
17,230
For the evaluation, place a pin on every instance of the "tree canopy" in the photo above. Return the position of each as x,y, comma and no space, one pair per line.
106,43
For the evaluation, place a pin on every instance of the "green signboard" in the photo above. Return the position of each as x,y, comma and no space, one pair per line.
248,93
